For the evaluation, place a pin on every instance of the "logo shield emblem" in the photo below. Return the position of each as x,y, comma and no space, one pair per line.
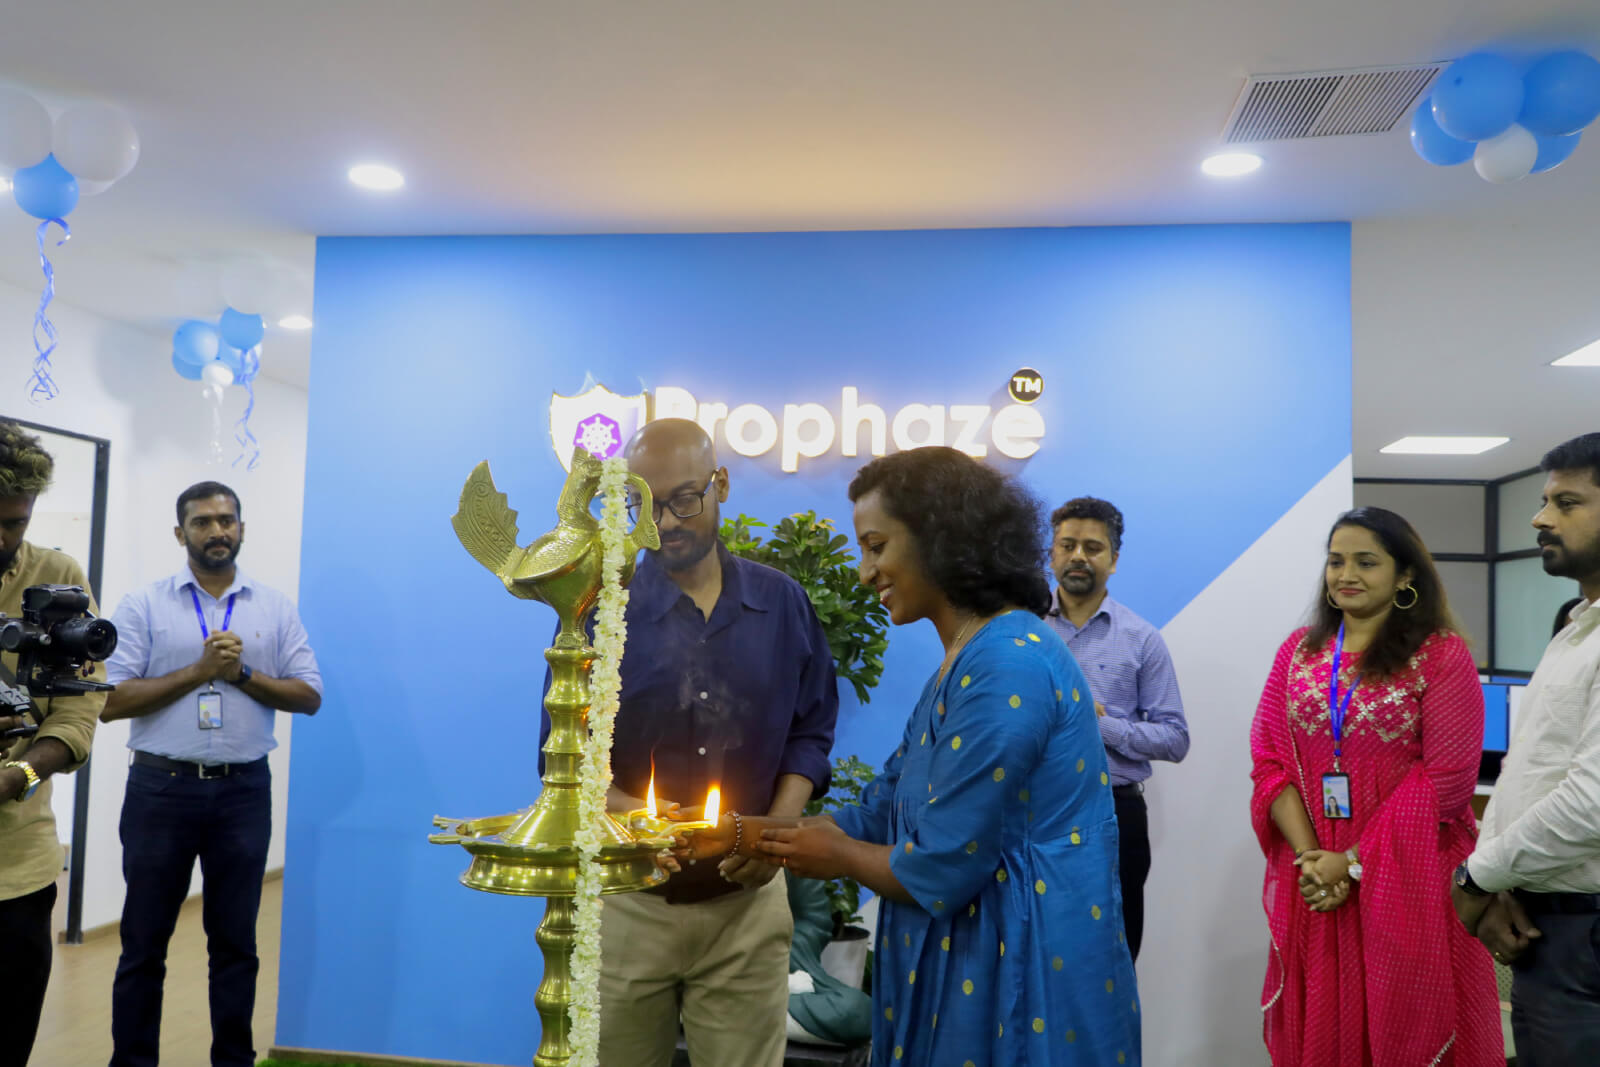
598,419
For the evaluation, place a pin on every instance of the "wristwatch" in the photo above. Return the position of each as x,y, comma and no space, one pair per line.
1353,865
245,674
1465,883
28,772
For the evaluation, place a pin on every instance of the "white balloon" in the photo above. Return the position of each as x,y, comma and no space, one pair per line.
1507,157
89,188
24,129
256,285
217,374
96,141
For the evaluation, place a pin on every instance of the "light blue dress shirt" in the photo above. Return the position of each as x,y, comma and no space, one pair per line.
1130,672
158,632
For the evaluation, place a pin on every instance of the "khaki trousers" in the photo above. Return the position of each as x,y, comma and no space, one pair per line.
722,964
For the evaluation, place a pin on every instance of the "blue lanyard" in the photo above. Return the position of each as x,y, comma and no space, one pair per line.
228,616
1336,707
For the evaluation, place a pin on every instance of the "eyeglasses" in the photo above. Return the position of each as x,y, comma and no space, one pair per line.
685,505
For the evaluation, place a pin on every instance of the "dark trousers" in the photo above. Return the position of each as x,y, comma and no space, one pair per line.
1133,863
1555,995
25,966
168,821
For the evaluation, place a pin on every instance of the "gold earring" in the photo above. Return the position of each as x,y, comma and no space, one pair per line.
1331,602
1415,596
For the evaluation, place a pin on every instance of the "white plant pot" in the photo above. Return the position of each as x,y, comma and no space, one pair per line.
846,958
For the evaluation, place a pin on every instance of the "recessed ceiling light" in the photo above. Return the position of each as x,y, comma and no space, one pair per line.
295,322
1587,356
1443,446
377,177
1230,164
5,184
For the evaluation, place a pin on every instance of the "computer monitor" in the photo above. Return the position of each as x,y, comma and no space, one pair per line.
1496,716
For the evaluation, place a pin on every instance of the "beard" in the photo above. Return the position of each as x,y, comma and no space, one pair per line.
681,549
203,557
1562,561
1077,582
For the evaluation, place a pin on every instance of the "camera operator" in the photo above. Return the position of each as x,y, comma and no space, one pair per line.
30,852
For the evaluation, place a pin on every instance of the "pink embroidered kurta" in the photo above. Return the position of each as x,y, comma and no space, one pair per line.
1389,979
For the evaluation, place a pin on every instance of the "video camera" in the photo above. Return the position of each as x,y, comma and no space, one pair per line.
55,639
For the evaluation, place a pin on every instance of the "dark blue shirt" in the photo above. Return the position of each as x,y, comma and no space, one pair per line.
737,700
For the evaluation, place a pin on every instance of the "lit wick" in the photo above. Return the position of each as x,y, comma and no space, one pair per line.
713,806
650,794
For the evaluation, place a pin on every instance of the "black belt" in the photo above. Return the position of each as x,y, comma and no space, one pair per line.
1132,789
695,890
192,769
1559,903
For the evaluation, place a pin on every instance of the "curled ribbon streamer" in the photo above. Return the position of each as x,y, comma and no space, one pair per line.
249,367
41,385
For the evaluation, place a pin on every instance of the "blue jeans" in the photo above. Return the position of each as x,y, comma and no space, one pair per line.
168,821
1555,998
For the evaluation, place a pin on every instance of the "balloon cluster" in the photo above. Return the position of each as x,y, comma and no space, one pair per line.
228,351
81,152
1510,124
221,355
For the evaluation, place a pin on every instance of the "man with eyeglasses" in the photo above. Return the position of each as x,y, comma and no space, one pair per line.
727,680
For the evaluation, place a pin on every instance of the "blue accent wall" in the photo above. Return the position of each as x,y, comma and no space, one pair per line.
1198,377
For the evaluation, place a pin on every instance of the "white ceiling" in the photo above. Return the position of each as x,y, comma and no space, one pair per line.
530,116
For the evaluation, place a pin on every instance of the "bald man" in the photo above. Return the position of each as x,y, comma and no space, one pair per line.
727,680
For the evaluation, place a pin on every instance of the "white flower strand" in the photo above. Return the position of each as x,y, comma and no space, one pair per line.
605,686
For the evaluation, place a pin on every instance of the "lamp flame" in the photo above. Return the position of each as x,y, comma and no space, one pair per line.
650,795
713,805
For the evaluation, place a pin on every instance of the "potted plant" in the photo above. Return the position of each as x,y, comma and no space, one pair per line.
847,954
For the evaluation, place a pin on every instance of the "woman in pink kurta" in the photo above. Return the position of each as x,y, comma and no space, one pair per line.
1368,965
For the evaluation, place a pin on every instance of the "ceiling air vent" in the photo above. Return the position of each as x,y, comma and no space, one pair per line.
1326,103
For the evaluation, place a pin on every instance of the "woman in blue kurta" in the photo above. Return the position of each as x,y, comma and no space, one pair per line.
990,834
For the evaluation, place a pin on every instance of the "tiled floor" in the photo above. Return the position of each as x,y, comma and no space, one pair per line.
76,1028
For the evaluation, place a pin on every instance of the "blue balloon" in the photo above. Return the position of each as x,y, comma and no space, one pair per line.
187,370
195,343
1477,97
1561,94
1553,151
231,358
240,330
45,190
1432,143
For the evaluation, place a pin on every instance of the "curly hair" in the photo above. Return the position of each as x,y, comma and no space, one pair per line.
980,535
25,467
1403,632
1092,507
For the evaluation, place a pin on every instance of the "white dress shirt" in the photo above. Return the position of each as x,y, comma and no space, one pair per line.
1541,831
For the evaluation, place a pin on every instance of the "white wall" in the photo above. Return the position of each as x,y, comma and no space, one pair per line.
117,383
1205,936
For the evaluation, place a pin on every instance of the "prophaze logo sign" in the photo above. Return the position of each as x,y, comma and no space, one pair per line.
602,421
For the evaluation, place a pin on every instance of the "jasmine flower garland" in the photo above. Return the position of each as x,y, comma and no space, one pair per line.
605,685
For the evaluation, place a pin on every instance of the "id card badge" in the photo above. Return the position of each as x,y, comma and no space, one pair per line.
209,704
1336,796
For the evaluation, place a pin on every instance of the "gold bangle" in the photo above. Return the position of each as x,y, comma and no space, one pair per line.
738,832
